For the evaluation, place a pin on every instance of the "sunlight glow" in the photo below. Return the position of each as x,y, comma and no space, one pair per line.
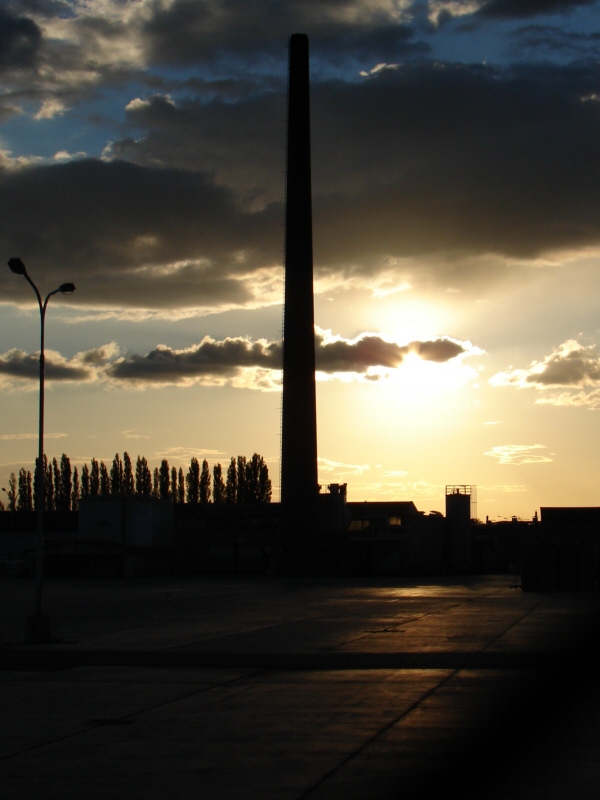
417,379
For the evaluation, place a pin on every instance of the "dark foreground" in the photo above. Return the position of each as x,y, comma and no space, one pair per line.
208,688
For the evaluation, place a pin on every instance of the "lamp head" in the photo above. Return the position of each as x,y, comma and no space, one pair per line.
67,288
17,266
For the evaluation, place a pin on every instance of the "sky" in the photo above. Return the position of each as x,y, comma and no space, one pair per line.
456,215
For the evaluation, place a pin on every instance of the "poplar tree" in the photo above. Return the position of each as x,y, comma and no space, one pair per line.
94,478
265,490
104,480
25,498
63,502
180,486
57,484
218,492
85,481
242,480
258,485
232,482
143,477
128,479
174,484
205,483
11,492
116,476
48,486
164,480
192,481
75,491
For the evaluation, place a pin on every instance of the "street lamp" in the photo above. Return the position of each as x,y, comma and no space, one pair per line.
38,625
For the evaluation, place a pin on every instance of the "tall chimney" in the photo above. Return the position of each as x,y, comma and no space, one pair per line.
299,476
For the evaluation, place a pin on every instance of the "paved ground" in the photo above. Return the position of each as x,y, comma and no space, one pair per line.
282,690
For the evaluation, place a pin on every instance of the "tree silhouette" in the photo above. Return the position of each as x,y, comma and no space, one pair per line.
174,484
192,482
128,479
85,481
63,497
247,481
104,480
94,478
205,483
57,484
164,488
231,486
48,486
25,499
11,492
75,491
116,476
218,492
258,485
180,486
143,478
242,480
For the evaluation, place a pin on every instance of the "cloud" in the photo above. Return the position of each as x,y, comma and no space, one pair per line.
51,107
16,365
571,364
506,9
335,354
11,437
132,236
227,360
79,48
20,40
518,454
235,361
210,360
342,469
443,163
187,30
548,41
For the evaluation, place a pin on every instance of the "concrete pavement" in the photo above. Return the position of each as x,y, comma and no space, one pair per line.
248,688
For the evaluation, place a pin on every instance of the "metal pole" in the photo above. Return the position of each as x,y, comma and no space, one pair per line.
40,499
40,493
38,626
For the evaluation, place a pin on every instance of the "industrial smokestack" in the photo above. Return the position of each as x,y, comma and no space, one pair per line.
299,476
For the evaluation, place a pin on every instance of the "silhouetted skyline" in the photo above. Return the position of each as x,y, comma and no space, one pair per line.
456,232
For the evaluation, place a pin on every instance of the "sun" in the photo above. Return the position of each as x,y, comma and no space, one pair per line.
417,320
419,381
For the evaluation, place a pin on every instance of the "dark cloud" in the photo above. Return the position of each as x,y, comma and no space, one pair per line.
241,144
504,9
209,358
453,158
224,359
447,161
438,350
359,355
44,8
414,159
113,229
17,364
20,41
571,365
192,30
552,40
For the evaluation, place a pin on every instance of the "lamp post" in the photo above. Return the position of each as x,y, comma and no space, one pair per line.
38,625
